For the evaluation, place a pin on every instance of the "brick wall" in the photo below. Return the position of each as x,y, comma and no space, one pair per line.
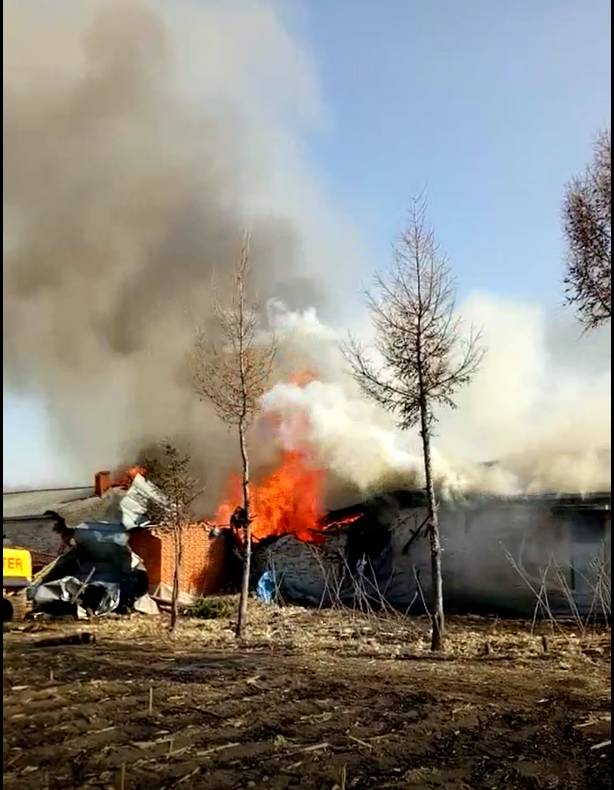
203,563
149,549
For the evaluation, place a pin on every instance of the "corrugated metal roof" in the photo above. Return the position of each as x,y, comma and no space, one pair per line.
24,503
74,505
105,508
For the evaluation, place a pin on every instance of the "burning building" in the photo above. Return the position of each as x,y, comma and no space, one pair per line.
498,554
497,551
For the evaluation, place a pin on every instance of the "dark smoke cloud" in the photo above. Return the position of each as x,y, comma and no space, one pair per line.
129,180
140,140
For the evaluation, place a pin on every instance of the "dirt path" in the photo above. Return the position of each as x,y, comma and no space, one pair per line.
288,717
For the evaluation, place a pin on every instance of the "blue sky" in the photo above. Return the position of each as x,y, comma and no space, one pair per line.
491,106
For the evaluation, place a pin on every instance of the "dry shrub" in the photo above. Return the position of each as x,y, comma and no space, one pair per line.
211,608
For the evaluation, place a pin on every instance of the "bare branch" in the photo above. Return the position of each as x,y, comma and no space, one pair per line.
232,361
173,514
587,210
424,357
418,334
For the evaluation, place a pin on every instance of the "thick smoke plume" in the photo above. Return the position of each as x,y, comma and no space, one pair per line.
141,140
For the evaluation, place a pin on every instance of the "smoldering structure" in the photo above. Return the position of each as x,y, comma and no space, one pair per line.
499,555
127,190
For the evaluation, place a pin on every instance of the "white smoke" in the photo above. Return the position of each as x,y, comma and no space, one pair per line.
537,412
540,405
141,138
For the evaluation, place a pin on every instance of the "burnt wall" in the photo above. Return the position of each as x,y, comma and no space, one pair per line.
302,569
478,539
560,545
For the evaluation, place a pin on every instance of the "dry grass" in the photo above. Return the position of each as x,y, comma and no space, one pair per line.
295,628
311,700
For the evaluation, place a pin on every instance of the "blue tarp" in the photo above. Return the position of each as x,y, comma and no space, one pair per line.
266,587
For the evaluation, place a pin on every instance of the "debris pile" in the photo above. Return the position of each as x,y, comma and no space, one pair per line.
99,573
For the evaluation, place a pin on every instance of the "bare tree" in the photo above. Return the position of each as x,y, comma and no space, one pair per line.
231,366
424,359
587,209
170,472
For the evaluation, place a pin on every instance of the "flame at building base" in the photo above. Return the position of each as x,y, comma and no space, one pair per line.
287,502
290,501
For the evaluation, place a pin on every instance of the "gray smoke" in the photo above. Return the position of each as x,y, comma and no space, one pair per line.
141,140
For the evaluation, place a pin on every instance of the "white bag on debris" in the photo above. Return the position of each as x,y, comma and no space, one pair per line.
146,605
134,504
164,594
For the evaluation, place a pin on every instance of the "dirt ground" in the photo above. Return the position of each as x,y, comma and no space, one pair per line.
312,700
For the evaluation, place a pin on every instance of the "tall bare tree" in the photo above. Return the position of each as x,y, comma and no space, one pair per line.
232,364
424,359
587,211
170,472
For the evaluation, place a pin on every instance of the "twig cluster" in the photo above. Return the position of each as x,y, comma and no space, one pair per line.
232,363
553,578
587,218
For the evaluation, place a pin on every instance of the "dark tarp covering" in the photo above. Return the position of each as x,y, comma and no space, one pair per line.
100,573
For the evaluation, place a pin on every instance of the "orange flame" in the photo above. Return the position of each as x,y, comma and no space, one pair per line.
303,378
288,502
343,521
126,478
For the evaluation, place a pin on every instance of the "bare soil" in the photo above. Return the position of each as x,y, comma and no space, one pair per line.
312,700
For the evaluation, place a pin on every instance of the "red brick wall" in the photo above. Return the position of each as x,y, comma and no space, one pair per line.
203,562
149,549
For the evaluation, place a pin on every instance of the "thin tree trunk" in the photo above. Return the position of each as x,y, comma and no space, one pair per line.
437,615
247,550
176,576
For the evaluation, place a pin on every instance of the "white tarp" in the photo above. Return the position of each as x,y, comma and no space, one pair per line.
134,504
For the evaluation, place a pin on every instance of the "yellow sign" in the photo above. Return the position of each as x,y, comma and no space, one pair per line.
16,562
